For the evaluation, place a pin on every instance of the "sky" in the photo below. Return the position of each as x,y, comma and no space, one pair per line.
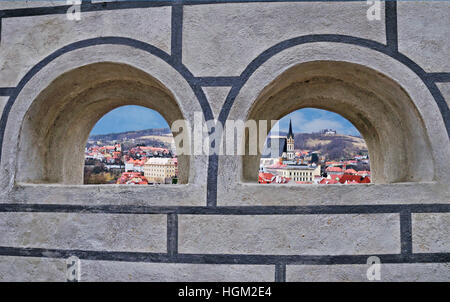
310,120
129,118
307,120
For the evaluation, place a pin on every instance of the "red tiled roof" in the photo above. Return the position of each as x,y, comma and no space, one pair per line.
265,177
350,178
132,178
326,181
365,180
363,172
334,169
335,177
350,171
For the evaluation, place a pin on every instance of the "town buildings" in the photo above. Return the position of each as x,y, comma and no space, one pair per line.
281,163
300,173
127,165
135,165
297,173
132,178
161,170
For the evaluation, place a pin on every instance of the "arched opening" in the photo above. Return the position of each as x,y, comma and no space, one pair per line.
378,107
313,146
131,145
57,124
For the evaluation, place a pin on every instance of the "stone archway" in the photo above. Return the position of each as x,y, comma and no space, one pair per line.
58,123
378,107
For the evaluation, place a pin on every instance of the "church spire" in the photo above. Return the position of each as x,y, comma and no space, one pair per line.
290,134
290,143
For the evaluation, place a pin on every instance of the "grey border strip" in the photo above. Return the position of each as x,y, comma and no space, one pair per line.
6,91
406,232
177,32
172,234
280,272
440,77
86,6
216,81
230,210
222,258
390,17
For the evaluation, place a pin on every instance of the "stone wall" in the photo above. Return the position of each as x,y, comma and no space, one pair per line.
389,77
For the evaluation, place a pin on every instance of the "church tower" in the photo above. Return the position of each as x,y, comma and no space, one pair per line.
290,143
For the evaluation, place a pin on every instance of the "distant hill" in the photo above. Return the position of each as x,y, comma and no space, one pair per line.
334,147
130,134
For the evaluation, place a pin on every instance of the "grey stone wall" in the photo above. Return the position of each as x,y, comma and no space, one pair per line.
223,60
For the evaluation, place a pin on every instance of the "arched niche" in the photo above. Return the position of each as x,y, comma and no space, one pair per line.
376,105
58,122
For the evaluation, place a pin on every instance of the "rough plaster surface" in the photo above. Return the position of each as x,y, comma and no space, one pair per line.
11,4
423,32
167,195
30,269
216,97
418,272
311,195
221,40
431,232
97,232
290,234
49,269
163,272
22,49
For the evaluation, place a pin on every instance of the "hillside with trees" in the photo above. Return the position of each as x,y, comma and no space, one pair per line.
334,147
130,134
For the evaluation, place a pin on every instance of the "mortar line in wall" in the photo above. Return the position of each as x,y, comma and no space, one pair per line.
243,259
439,77
172,234
85,7
206,2
227,210
177,32
280,272
391,25
217,81
406,233
6,91
211,186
